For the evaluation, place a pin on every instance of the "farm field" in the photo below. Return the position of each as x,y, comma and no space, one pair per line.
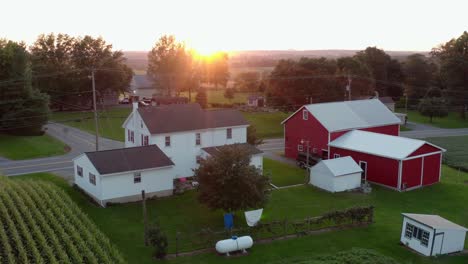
457,150
123,223
39,223
29,147
268,124
453,120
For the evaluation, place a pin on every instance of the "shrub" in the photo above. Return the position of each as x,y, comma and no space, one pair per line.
158,240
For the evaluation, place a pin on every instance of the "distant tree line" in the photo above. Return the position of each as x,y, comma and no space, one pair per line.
443,74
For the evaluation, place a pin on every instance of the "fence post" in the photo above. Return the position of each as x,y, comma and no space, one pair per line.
177,244
308,225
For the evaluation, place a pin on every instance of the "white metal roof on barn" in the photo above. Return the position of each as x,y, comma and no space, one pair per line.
379,144
337,116
435,221
341,166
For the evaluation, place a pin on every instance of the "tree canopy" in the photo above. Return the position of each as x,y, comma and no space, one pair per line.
433,107
419,76
23,109
229,182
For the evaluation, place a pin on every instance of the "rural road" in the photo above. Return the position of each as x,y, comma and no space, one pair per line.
81,141
78,140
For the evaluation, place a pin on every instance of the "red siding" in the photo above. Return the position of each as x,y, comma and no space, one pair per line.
426,148
297,129
411,173
392,130
432,168
379,170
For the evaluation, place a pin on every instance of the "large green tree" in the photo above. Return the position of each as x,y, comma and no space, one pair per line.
433,107
217,69
170,65
64,65
419,75
247,81
23,109
229,182
453,59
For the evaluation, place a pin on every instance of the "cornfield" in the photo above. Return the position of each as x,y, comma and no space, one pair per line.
39,223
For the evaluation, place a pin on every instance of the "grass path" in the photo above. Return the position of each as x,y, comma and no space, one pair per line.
453,120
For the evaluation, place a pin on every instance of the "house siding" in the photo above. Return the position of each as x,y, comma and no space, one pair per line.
296,129
95,191
379,169
411,173
424,149
432,167
414,243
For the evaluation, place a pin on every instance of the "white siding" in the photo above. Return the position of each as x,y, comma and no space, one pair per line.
122,185
321,177
183,150
83,182
452,241
134,124
414,243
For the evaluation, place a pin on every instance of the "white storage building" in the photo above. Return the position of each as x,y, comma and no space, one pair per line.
336,175
432,235
120,175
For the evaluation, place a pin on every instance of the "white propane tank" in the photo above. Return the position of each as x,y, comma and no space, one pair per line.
234,244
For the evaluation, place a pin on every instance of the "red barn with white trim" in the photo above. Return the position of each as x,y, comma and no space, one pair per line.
319,124
395,162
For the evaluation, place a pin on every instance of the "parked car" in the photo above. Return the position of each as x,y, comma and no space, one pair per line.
301,160
124,101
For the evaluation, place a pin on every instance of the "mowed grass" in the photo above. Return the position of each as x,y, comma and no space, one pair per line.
283,174
123,224
453,119
457,150
30,147
110,121
217,96
268,124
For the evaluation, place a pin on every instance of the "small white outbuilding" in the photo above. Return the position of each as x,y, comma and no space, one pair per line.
336,175
432,235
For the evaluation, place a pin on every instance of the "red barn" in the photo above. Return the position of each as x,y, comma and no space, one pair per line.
316,125
395,162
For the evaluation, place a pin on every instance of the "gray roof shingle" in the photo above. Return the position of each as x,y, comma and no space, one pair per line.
187,117
128,159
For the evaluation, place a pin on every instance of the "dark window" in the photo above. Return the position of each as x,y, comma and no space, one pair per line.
146,140
137,177
79,171
229,133
336,155
409,230
168,141
417,233
92,178
199,159
300,148
132,136
197,139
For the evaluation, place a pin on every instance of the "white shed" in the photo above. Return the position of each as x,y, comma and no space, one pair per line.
120,175
336,175
432,235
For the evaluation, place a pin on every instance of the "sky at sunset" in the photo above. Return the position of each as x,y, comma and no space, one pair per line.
243,25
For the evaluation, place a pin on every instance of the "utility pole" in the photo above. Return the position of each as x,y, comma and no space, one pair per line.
145,216
348,87
95,110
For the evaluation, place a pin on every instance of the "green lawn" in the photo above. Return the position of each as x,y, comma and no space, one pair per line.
268,124
29,147
283,174
123,223
110,121
217,96
453,120
404,128
457,150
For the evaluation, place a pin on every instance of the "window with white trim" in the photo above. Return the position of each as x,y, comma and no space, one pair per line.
92,178
146,140
137,177
198,139
305,114
167,141
229,133
79,171
300,148
132,136
414,232
336,155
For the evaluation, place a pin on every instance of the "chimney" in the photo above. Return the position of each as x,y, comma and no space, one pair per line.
135,103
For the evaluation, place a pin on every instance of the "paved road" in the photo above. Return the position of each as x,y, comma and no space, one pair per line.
78,140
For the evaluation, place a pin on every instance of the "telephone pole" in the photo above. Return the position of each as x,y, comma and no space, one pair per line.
95,110
348,87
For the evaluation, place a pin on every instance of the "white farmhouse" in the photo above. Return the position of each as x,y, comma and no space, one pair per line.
120,175
336,175
432,235
182,131
256,158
